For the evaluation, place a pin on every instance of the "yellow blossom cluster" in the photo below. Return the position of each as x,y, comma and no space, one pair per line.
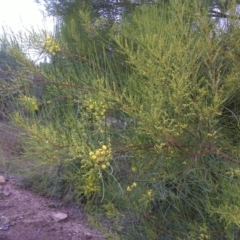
91,184
134,169
101,156
204,236
150,193
29,103
130,188
96,109
234,172
51,46
147,197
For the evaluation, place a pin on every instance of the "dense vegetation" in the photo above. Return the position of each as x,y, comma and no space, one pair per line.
138,120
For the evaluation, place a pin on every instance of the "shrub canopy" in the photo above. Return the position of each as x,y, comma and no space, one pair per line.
142,120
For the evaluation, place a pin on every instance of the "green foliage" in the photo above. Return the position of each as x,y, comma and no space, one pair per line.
144,127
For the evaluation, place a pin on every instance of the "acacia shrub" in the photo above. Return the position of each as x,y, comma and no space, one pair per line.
142,132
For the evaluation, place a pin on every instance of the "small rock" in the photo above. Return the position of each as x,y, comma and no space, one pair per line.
5,228
36,233
2,180
6,191
4,220
59,216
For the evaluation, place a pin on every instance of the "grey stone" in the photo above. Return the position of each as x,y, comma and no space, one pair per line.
59,216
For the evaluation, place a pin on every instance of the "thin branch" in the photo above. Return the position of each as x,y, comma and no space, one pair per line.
214,13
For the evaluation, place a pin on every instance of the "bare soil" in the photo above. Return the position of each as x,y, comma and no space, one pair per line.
25,215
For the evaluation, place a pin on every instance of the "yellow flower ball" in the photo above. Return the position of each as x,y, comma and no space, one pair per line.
149,193
93,157
97,153
104,147
134,184
134,169
103,166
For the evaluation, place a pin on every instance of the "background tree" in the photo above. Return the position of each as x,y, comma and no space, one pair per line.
114,10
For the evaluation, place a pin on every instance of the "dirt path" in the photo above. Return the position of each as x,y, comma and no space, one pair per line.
26,216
